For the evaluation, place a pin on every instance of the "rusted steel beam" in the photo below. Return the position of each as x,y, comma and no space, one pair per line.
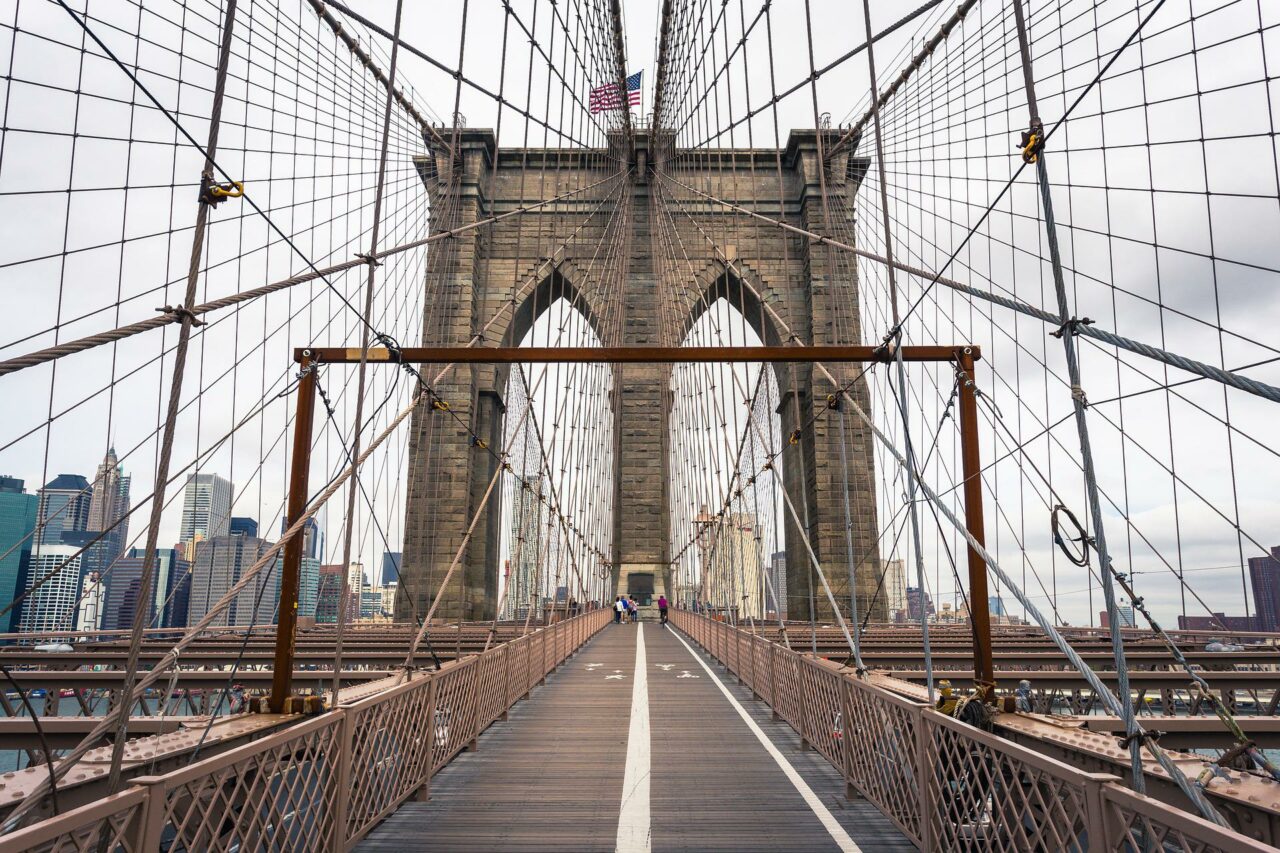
979,614
1138,679
630,355
287,627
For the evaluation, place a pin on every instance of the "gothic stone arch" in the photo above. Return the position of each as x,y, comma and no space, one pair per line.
471,278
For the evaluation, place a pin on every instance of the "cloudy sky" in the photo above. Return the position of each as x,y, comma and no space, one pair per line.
1164,185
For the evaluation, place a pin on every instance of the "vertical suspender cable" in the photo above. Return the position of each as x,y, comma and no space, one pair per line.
364,356
1036,131
141,611
895,340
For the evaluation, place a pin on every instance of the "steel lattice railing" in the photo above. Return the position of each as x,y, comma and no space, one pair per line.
325,782
947,785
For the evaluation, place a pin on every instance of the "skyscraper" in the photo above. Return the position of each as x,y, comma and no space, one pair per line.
895,587
309,569
206,507
221,562
775,593
526,548
1264,577
328,593
390,567
170,585
914,608
120,602
17,523
246,526
63,508
312,538
89,616
109,505
52,607
731,564
308,586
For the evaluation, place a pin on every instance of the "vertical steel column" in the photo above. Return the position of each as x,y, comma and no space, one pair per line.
984,675
299,472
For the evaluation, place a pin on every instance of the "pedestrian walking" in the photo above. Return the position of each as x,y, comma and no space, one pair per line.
618,609
634,608
662,609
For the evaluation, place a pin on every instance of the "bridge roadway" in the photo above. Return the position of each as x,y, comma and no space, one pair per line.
635,748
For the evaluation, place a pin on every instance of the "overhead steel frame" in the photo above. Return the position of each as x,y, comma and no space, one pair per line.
962,356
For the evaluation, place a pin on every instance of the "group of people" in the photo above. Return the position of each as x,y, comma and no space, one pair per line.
626,609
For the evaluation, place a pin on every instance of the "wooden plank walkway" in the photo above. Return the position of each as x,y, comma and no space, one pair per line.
551,777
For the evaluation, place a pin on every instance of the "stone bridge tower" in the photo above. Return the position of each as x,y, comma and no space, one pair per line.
472,277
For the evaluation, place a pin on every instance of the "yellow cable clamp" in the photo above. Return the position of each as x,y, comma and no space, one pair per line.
235,189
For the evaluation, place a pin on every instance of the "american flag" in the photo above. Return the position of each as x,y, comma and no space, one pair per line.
609,96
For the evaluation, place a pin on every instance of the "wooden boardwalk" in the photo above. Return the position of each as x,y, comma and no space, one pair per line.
551,777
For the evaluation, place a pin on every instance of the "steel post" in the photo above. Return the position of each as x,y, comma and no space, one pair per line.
984,671
300,467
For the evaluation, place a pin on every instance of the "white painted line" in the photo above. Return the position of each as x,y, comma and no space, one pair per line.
633,817
828,820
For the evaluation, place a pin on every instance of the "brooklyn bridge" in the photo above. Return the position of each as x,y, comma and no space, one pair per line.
679,425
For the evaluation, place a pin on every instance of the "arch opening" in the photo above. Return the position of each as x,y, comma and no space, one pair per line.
726,524
556,527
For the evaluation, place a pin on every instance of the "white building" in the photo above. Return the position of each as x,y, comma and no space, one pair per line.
895,586
92,593
732,566
206,507
54,605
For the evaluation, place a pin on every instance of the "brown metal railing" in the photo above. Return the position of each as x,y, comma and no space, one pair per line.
324,783
947,785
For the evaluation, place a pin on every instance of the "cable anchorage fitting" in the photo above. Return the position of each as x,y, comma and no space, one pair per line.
1072,327
368,259
1032,142
179,313
213,193
1141,737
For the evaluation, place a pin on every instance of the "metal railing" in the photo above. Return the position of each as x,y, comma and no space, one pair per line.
324,783
945,784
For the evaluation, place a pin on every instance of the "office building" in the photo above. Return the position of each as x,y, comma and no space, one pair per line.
206,508
120,599
733,574
308,586
63,507
894,588
390,567
526,548
914,608
389,599
17,524
309,569
312,538
355,590
1218,622
995,606
1125,613
243,526
108,515
89,612
170,588
221,562
329,593
1264,577
775,591
54,606
371,603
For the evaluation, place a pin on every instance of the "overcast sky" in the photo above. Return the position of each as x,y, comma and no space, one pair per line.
1126,176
